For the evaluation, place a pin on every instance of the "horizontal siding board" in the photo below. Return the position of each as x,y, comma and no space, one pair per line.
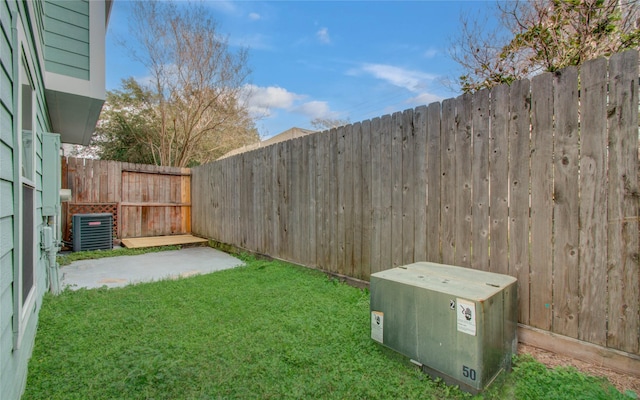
64,29
81,6
6,235
6,316
5,15
6,302
6,90
6,271
6,335
65,43
6,198
6,162
66,58
78,17
67,70
6,54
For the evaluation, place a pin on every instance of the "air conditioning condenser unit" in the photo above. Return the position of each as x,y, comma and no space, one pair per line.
457,323
92,231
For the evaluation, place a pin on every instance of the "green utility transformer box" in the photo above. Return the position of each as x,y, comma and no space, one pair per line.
458,324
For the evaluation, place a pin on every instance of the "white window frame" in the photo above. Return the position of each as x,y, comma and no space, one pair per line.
24,309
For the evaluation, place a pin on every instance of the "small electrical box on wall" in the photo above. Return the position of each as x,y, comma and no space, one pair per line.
457,323
51,173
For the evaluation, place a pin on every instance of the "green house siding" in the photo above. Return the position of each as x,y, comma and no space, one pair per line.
14,358
7,232
6,72
66,38
47,38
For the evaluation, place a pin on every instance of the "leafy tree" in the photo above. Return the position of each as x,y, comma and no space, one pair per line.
128,126
543,35
191,111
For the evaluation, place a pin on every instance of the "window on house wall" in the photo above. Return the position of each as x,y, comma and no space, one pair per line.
27,167
28,258
27,131
25,190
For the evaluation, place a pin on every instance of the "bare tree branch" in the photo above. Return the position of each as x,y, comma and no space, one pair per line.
195,83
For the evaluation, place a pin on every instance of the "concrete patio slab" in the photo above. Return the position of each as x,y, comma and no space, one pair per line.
125,270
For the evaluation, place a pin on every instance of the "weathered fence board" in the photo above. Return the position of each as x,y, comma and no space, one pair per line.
312,141
408,187
565,193
366,207
541,200
307,211
342,189
274,241
499,180
420,190
246,201
480,182
592,318
434,179
356,209
519,156
622,265
333,199
349,209
448,181
293,211
536,180
395,180
284,196
376,194
462,165
322,208
386,192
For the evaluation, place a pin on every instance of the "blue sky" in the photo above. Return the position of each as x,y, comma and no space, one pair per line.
332,59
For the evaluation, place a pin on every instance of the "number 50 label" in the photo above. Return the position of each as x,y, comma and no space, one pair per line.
469,372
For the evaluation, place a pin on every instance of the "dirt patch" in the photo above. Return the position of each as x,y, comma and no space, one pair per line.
622,382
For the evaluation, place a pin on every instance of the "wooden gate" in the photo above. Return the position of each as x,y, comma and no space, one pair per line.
146,200
155,203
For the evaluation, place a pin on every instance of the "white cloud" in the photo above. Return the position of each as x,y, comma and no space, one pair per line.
430,53
262,100
414,81
256,41
254,16
227,7
424,98
274,96
316,109
323,36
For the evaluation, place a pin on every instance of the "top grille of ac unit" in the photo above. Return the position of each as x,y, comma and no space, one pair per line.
92,231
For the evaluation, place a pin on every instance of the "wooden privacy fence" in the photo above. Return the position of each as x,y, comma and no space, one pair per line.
146,200
537,180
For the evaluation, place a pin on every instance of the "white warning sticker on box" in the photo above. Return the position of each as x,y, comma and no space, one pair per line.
466,316
377,325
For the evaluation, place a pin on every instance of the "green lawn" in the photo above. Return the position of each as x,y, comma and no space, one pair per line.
267,330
